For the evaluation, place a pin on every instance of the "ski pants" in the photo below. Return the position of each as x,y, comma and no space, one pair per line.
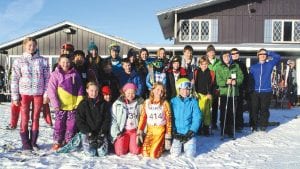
26,101
127,142
260,109
229,114
154,141
215,107
205,105
65,126
189,148
14,115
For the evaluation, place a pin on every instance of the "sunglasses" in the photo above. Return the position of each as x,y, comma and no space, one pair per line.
235,53
185,85
262,54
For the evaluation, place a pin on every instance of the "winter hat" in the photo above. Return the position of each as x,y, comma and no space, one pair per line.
68,47
210,48
106,90
92,46
129,86
114,47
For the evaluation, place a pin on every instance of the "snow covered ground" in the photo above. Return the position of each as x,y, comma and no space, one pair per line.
279,147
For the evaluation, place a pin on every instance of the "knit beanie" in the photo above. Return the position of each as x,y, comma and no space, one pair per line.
129,86
92,46
106,90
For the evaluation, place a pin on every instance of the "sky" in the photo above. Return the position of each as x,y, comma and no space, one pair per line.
133,20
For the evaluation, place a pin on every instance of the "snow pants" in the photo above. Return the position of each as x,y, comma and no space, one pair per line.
189,148
229,115
37,102
127,142
64,127
14,115
205,105
153,145
260,109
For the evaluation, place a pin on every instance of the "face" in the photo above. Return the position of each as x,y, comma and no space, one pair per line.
126,67
131,59
175,65
235,55
107,97
92,91
93,52
161,54
187,55
65,64
262,56
114,54
226,58
130,94
203,65
107,68
64,51
211,54
292,65
79,60
184,92
30,47
144,55
158,92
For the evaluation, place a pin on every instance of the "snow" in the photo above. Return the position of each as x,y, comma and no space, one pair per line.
279,147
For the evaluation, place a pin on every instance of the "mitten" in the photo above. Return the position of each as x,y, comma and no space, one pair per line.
168,140
139,138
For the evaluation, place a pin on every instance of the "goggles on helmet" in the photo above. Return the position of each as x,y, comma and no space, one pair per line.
185,85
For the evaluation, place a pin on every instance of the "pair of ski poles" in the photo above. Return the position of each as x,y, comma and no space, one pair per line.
230,87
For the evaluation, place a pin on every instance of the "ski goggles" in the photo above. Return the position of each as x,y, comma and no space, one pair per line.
185,85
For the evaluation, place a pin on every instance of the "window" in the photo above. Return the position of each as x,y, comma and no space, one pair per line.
198,30
286,31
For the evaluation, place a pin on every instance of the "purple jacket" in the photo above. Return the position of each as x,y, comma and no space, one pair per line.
65,90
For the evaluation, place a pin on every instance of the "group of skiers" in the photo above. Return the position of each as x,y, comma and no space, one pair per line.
138,104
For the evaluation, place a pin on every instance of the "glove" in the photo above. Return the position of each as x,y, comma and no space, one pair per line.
100,139
178,136
190,134
168,144
92,139
139,138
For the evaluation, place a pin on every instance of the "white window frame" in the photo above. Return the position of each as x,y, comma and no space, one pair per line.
282,30
190,29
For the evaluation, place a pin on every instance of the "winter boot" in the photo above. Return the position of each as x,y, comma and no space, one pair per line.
33,138
25,141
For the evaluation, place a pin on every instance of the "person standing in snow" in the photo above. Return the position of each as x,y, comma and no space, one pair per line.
30,75
156,115
125,117
260,76
186,119
65,92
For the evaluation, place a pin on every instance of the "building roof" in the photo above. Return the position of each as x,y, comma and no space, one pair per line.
166,17
62,25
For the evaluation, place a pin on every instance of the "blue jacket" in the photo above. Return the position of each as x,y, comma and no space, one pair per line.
133,77
261,74
186,114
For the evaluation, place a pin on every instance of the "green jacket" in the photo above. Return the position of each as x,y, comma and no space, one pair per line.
213,66
223,73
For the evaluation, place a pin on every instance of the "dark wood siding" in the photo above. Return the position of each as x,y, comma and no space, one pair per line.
237,25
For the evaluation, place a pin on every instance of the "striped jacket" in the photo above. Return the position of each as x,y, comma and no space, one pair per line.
30,76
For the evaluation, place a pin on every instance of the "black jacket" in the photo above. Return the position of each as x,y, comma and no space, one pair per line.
93,117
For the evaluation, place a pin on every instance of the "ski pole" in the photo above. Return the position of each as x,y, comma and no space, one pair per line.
233,109
225,114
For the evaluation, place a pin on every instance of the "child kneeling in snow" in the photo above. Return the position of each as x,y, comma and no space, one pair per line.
92,120
156,114
186,119
125,116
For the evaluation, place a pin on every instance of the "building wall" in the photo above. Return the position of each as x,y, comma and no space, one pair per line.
50,43
237,25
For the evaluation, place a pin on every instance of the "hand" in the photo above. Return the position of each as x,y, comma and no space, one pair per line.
139,138
233,82
209,96
190,134
16,103
46,100
228,81
168,140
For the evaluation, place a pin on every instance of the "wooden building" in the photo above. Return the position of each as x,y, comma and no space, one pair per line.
50,40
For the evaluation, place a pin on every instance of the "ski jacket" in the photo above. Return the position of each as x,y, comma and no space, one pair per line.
65,90
133,77
153,77
119,116
223,73
204,81
93,116
186,114
260,73
171,88
213,66
30,76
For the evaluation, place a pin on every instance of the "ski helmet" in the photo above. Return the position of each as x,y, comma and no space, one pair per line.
183,83
114,47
